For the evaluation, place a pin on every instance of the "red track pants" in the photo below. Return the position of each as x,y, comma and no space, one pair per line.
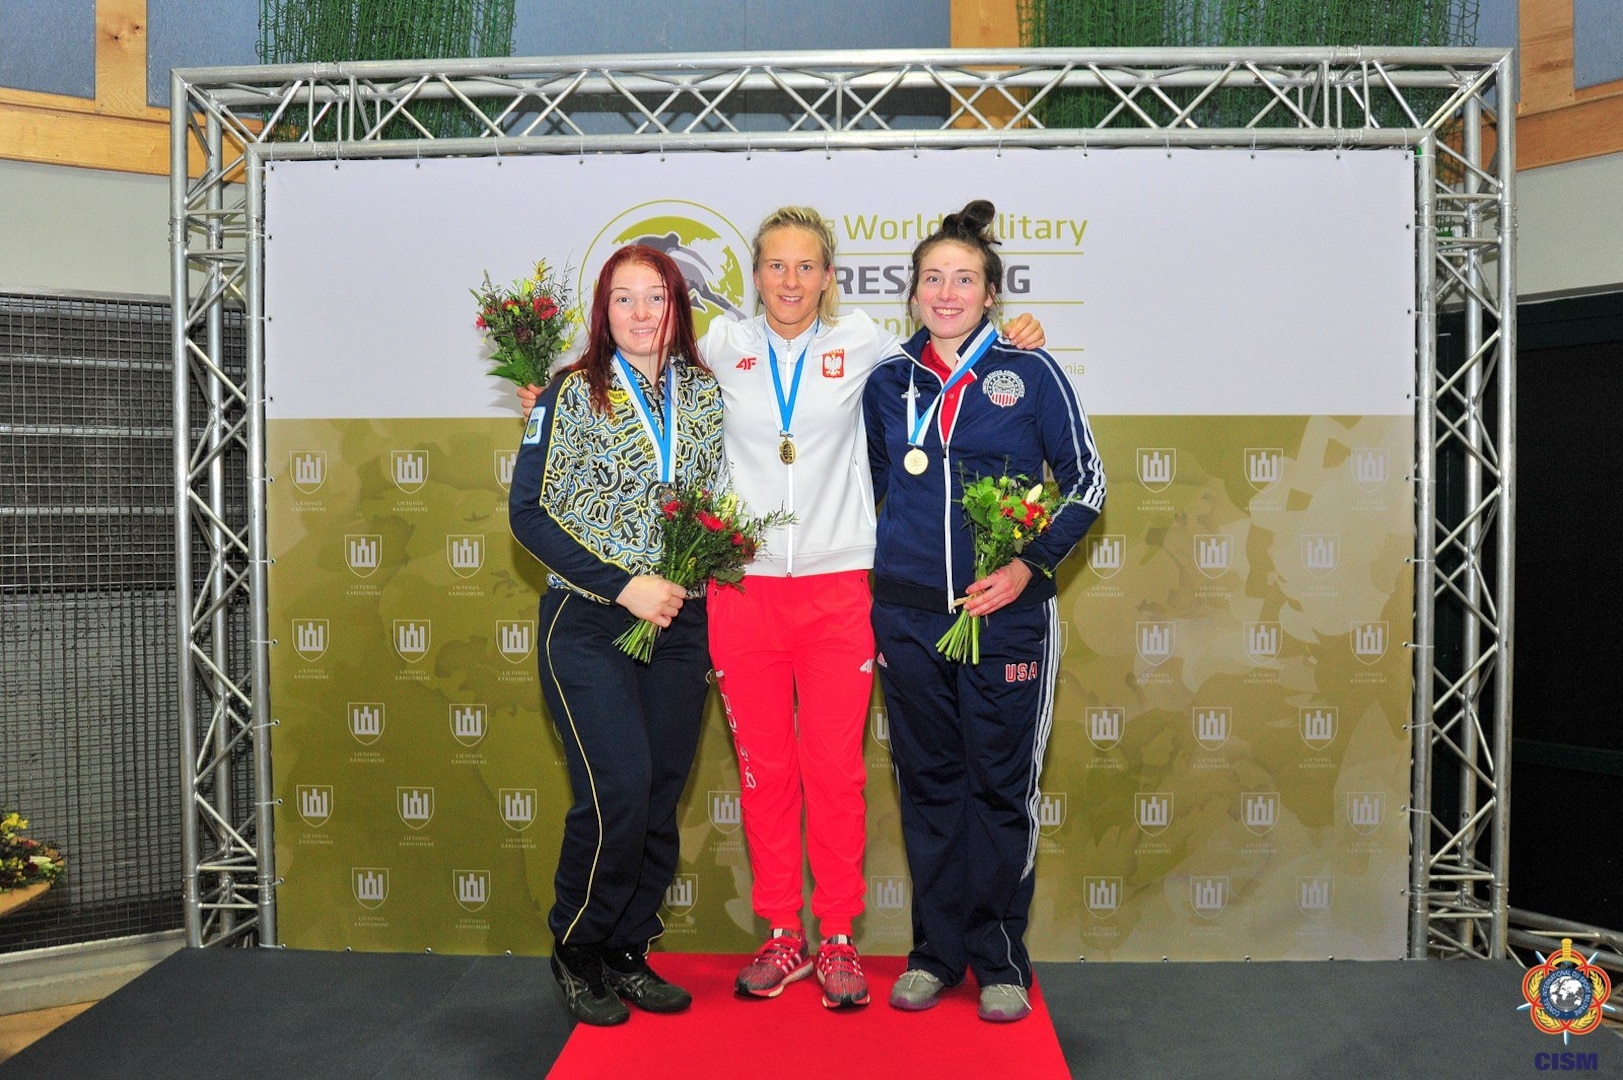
794,663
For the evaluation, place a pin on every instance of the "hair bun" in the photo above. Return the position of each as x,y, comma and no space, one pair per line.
974,220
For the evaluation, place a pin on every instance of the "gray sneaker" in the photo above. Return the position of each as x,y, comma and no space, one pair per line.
1003,1003
916,990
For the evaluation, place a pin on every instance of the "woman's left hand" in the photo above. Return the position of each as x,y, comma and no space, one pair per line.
998,589
1025,332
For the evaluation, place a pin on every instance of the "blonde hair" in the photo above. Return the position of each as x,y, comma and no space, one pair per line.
803,217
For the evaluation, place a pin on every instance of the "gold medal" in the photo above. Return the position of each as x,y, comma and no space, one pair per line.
786,451
916,461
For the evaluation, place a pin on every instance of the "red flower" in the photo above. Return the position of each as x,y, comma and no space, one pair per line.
710,521
544,307
671,507
738,539
480,322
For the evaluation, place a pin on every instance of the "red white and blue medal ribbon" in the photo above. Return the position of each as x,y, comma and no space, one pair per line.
917,460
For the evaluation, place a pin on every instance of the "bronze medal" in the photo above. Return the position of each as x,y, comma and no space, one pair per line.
916,461
786,451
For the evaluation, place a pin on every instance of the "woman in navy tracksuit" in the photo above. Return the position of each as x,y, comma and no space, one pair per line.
608,440
953,405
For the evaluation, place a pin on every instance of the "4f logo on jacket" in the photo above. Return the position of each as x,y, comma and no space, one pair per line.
746,364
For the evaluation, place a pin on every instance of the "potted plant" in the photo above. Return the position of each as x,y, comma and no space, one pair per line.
27,867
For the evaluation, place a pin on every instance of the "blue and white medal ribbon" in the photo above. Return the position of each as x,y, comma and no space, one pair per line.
663,436
786,406
917,460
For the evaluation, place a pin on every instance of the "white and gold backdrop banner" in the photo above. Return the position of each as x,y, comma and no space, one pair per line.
1229,764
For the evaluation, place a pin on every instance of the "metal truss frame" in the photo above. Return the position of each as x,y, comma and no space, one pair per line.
227,123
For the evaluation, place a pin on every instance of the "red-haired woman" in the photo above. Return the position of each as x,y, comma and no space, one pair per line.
637,415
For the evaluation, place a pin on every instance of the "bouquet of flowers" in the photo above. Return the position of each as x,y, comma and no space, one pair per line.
529,324
707,535
24,862
1006,513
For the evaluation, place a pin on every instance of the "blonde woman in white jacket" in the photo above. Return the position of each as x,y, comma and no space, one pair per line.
793,651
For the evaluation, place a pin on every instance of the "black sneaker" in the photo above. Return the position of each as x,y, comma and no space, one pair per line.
579,971
627,973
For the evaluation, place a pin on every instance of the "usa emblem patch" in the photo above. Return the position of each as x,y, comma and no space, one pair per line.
1004,388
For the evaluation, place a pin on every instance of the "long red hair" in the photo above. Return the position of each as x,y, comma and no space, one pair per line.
675,327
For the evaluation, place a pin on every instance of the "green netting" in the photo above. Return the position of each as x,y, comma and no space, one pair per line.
333,31
1237,24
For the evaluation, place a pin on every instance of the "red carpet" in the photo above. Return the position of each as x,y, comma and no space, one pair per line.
793,1036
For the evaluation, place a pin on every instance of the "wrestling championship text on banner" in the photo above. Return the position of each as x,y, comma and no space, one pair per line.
1228,770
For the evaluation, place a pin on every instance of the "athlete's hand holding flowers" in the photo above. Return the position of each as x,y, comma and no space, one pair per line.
1006,513
707,535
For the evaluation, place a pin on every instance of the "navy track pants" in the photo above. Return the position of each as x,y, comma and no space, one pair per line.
629,734
968,743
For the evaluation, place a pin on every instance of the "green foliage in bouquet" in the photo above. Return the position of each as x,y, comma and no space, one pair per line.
529,324
707,535
1006,513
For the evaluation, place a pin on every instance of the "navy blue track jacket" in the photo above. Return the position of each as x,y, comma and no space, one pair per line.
1017,411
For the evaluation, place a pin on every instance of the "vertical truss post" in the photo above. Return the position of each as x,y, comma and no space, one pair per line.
1425,486
258,554
1467,225
1505,572
179,185
219,587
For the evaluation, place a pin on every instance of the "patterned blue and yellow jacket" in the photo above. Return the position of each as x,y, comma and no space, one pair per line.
586,490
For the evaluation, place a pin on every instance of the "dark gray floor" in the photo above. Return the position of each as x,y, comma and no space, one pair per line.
247,1014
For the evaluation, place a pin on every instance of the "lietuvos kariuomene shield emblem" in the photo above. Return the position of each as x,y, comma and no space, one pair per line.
1153,811
363,553
1368,641
1157,466
1369,465
408,469
471,888
465,553
1214,552
1102,895
412,638
469,723
308,469
415,805
505,460
370,885
1105,725
1212,724
514,639
682,894
366,719
518,807
1107,553
1264,466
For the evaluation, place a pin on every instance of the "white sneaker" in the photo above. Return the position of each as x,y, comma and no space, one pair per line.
916,990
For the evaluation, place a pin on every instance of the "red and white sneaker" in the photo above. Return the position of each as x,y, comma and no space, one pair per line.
839,969
781,961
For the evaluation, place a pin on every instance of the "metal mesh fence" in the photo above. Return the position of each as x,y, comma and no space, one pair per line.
333,31
1237,24
88,709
